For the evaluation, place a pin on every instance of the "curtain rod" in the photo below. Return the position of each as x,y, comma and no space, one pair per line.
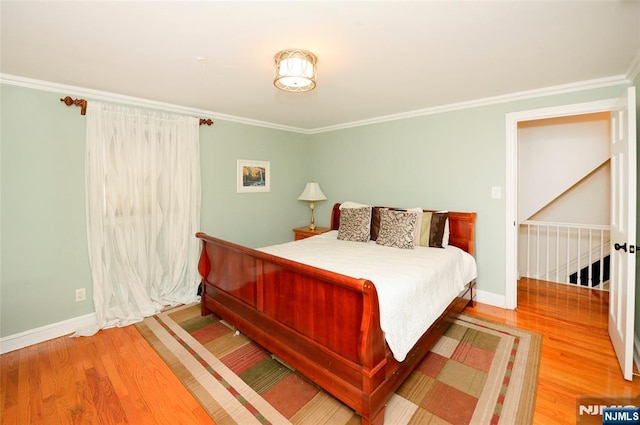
82,103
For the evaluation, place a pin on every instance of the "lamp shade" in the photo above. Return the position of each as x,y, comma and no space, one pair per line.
295,70
312,192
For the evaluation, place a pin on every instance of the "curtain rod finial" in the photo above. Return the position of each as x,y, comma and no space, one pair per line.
77,102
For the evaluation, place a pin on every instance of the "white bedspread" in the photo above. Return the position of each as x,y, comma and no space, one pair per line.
414,285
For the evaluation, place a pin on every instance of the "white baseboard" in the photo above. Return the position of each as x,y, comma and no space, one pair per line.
45,333
490,298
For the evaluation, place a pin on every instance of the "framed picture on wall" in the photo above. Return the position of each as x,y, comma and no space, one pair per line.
253,176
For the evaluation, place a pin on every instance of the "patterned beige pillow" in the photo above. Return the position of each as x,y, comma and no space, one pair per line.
397,228
355,224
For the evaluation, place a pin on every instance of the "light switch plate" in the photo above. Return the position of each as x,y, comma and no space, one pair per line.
496,192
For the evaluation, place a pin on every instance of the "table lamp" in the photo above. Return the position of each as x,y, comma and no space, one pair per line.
312,193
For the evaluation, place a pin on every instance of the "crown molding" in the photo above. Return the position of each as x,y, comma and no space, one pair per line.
75,91
523,95
634,68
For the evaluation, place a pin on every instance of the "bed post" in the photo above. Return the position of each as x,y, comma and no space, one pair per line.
378,419
204,267
372,357
335,216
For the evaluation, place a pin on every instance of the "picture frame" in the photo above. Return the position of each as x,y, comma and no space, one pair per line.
253,176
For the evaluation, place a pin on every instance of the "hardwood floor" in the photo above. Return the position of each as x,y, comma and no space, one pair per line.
115,377
577,355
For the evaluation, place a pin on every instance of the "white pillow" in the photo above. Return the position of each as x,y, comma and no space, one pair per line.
445,237
350,204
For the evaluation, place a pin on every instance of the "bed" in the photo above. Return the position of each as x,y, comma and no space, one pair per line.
325,325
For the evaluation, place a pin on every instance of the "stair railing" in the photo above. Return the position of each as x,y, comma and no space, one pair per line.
555,251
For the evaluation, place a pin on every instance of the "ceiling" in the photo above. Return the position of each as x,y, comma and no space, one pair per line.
375,58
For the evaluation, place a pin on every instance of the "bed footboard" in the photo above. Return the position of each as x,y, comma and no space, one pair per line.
324,325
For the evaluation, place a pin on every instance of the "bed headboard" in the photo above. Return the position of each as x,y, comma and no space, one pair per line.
461,227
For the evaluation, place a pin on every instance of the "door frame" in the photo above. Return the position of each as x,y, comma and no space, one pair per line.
511,186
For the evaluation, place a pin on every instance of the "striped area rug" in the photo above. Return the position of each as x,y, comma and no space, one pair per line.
478,373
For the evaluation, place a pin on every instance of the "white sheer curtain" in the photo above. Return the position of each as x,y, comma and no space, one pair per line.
143,209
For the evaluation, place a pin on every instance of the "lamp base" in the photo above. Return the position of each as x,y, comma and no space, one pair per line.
312,225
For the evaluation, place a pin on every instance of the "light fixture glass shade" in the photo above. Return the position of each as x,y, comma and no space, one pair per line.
295,70
312,192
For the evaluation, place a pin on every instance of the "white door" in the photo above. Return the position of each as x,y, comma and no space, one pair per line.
623,231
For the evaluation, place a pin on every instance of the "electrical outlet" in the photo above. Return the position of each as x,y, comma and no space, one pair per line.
81,294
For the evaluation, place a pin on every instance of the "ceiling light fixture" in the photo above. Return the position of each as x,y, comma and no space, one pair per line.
295,70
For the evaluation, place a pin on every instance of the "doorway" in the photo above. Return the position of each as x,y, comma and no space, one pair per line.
623,213
564,199
511,222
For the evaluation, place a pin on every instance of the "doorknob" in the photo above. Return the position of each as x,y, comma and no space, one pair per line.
619,247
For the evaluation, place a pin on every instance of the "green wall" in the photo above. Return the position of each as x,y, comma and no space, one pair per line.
252,219
43,241
44,245
442,161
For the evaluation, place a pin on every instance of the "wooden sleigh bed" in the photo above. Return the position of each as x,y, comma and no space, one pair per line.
323,324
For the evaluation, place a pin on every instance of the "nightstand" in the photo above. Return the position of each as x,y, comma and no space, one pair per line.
305,232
